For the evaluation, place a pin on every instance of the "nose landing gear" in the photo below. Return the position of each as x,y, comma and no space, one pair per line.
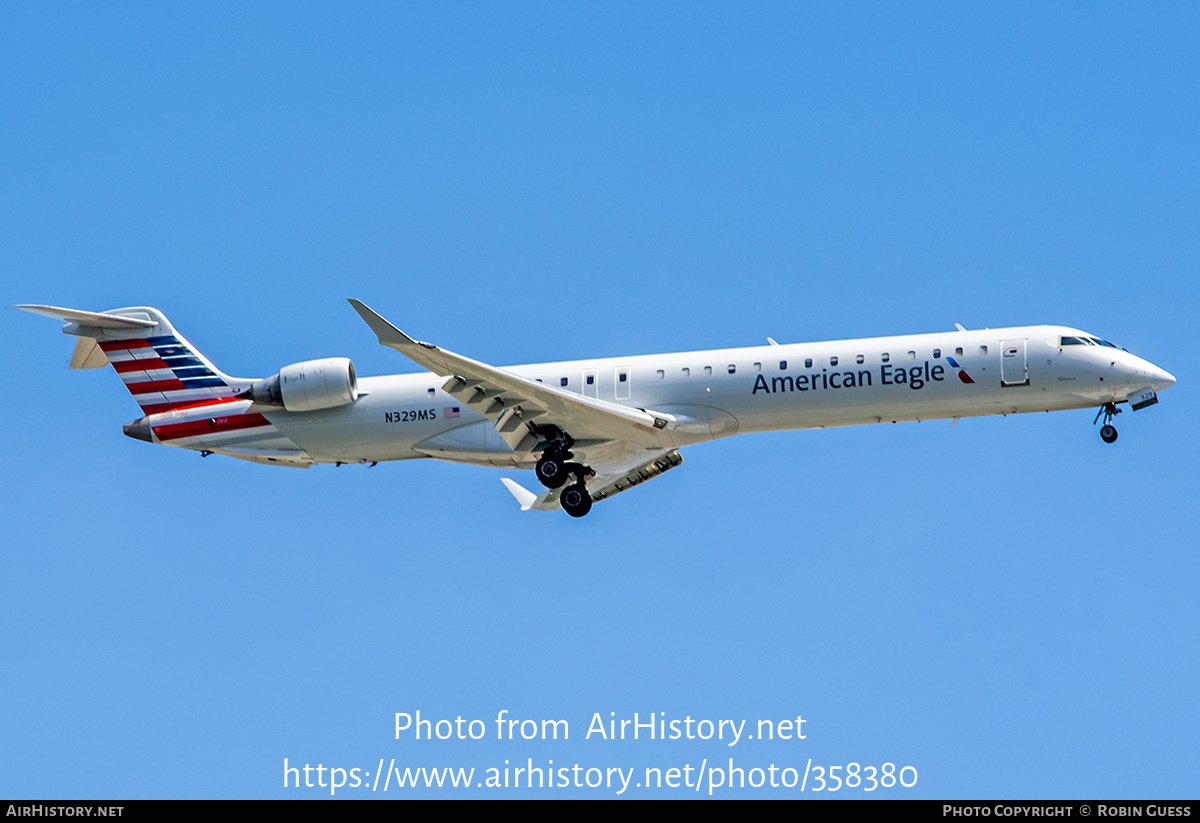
1108,432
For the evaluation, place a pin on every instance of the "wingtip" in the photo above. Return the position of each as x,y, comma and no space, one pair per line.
388,334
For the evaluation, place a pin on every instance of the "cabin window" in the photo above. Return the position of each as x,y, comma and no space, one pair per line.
562,382
758,366
912,355
660,374
686,372
937,353
623,376
833,361
859,359
430,392
591,378
783,365
958,350
707,370
885,357
983,349
732,368
808,362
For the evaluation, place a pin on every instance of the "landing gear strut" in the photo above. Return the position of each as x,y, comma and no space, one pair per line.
552,468
1108,432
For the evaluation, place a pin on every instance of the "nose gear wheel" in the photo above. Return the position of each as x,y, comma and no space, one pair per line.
1108,432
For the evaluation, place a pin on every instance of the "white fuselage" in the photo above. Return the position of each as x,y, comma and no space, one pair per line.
711,394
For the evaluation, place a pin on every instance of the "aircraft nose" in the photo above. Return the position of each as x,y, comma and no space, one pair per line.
1139,372
1161,378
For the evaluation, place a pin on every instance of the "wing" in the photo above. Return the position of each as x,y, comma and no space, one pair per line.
511,401
623,445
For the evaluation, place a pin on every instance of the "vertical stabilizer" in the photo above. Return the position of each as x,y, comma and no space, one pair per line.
161,369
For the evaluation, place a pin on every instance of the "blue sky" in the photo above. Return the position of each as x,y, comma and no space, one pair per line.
1007,606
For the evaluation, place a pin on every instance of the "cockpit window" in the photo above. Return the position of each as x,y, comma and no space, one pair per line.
1074,341
1100,342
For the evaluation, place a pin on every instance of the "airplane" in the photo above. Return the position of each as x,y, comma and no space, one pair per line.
591,429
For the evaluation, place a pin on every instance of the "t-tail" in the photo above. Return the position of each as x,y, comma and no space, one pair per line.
161,369
186,401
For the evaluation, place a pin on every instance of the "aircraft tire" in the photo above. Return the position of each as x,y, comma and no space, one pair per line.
575,500
1108,433
552,473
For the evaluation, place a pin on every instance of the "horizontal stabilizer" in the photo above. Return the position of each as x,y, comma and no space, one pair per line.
88,318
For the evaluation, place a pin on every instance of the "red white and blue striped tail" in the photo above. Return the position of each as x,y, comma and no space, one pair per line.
161,369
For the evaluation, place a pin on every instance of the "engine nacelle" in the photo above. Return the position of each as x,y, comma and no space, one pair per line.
309,386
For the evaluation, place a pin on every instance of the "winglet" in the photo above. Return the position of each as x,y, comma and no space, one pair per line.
388,334
524,496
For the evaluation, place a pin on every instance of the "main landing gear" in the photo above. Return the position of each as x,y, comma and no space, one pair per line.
1108,432
575,500
554,470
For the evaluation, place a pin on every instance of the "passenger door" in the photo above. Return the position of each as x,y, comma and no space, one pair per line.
1014,369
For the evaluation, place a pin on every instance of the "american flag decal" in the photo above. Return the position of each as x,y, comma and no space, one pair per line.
450,412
